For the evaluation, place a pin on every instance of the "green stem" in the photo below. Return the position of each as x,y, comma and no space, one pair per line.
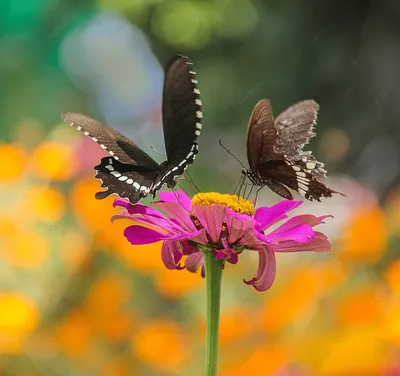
213,269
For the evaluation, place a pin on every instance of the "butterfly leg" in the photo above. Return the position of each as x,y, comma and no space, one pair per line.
258,190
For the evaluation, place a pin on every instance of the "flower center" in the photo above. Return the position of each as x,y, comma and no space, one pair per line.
236,203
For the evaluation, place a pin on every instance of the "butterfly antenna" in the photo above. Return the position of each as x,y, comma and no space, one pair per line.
191,182
229,152
157,152
177,196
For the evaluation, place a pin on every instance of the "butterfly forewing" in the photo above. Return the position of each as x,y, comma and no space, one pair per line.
295,128
181,111
261,135
117,145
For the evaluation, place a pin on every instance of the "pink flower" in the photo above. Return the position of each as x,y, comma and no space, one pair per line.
224,225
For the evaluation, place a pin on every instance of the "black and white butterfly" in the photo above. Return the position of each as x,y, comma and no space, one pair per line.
131,173
275,151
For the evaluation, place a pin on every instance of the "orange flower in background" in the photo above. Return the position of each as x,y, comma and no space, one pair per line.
358,351
174,286
365,237
73,335
18,319
94,214
362,307
392,277
54,160
104,307
17,160
26,248
235,325
44,203
260,361
302,290
163,345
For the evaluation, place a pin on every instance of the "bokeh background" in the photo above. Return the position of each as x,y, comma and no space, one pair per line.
77,299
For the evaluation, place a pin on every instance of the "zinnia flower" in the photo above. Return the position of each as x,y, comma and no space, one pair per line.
225,225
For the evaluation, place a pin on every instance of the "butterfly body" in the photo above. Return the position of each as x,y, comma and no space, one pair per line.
275,151
129,171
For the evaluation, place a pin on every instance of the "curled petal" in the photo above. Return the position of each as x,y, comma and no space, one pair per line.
211,218
170,254
138,235
233,257
240,226
219,255
267,216
194,261
179,197
320,243
266,270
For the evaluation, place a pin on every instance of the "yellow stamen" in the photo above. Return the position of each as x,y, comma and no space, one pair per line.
236,203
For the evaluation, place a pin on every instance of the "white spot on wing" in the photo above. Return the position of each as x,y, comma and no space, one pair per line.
199,114
129,181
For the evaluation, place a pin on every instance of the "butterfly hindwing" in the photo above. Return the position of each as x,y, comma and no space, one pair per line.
295,128
126,180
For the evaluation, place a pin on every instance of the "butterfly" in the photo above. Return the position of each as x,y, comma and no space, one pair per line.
128,171
275,151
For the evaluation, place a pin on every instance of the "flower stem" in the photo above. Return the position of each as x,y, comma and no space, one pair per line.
213,269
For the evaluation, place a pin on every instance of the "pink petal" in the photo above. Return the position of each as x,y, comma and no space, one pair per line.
138,208
305,219
319,244
239,226
219,255
301,233
138,235
194,261
211,218
231,255
266,270
169,254
179,197
177,212
267,216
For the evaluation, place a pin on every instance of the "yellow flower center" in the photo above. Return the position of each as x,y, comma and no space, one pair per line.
236,203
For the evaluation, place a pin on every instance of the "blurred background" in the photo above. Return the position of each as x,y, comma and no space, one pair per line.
77,299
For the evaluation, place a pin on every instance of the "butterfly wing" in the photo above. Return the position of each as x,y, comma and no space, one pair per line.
261,135
126,180
298,179
295,128
117,145
182,116
129,172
